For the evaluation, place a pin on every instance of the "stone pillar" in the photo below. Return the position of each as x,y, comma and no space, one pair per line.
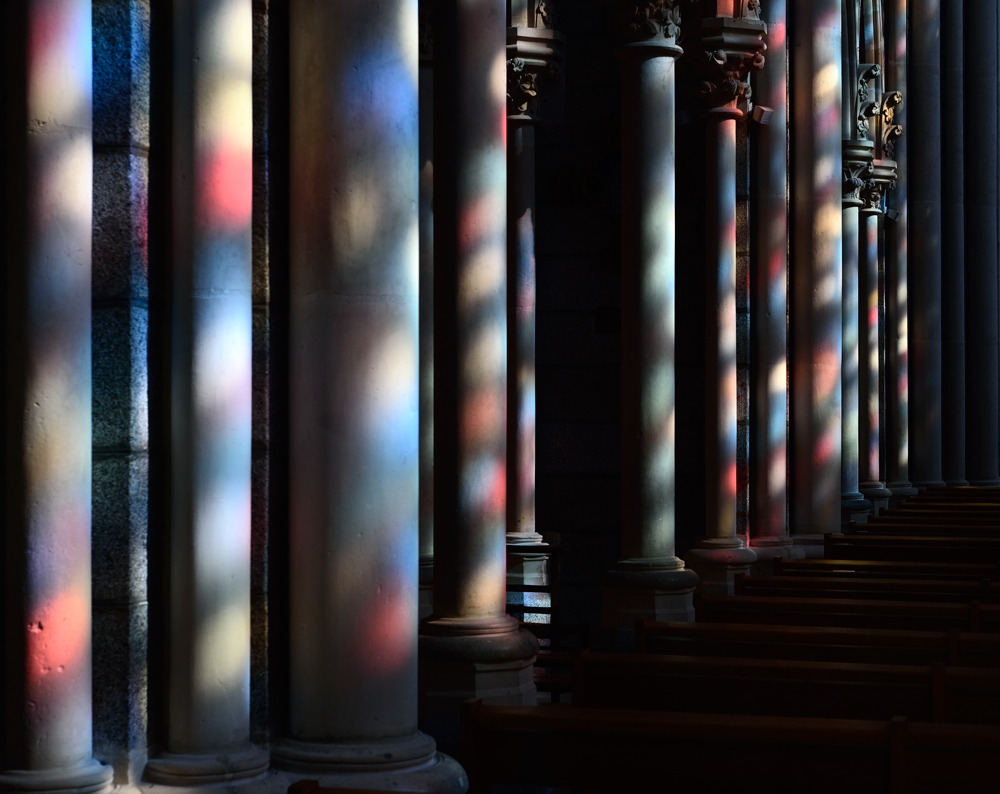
769,304
47,393
896,264
924,242
736,47
426,216
953,395
858,156
816,314
470,647
534,55
650,581
981,187
208,689
354,397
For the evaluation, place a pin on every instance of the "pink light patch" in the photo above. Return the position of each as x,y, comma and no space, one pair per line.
226,189
57,638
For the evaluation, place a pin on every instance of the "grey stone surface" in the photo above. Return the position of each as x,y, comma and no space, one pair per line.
260,78
121,72
259,228
119,528
120,642
120,376
259,525
120,262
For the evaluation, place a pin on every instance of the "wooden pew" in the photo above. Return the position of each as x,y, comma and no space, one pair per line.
819,643
912,548
928,524
886,569
848,612
928,693
612,750
953,591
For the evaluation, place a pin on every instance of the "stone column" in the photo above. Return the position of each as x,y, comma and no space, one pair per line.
354,397
47,392
858,155
426,214
733,49
208,689
470,647
981,187
534,56
769,304
817,258
953,395
650,581
924,243
896,258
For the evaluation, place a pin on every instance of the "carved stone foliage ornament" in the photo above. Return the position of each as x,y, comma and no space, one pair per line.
868,108
728,74
527,84
858,180
651,20
732,50
545,14
890,132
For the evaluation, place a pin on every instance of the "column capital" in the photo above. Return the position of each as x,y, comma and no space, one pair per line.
733,48
653,23
534,73
859,170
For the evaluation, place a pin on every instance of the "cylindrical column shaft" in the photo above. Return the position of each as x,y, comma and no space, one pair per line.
982,402
924,285
521,349
852,502
354,396
720,554
817,257
649,581
769,407
469,625
47,395
426,215
953,393
208,689
897,427
869,422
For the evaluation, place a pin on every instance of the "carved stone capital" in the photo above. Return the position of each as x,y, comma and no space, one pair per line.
732,49
650,23
534,74
883,179
859,172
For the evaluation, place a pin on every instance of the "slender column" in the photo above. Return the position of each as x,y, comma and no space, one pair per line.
649,581
208,692
354,394
769,437
858,154
426,214
981,187
534,53
953,393
470,647
924,283
817,258
47,391
896,265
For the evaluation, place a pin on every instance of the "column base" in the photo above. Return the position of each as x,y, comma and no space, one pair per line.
767,548
854,507
901,490
425,594
462,658
813,545
718,561
397,763
984,483
89,777
645,589
876,493
181,769
956,483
